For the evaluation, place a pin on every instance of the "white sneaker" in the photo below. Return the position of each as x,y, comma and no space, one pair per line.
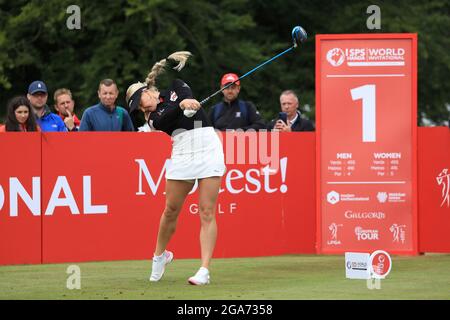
159,265
200,278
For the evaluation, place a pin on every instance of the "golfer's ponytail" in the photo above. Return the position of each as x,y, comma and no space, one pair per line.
179,56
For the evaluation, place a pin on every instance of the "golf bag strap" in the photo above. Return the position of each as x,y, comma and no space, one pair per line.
120,113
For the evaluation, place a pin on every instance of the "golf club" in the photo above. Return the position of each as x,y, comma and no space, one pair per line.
299,35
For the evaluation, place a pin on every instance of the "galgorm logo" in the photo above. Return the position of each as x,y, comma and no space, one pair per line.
443,179
398,233
366,235
349,214
335,57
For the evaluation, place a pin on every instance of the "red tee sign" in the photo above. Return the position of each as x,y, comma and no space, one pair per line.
366,116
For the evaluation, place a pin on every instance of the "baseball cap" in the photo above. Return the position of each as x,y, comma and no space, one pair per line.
37,86
229,77
134,92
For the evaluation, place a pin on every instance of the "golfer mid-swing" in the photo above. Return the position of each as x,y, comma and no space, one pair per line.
197,154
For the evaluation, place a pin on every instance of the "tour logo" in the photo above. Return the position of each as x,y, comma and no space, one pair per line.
366,235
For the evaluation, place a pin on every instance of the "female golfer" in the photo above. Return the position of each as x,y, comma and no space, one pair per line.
20,116
197,154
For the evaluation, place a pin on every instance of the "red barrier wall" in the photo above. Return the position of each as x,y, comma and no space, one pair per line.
127,230
81,175
20,232
102,197
434,201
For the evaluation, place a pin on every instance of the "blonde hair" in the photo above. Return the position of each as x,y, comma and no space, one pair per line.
60,92
158,68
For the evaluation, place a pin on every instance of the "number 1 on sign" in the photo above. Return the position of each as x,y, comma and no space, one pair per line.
367,94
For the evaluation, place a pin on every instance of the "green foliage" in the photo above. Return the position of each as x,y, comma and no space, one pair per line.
122,39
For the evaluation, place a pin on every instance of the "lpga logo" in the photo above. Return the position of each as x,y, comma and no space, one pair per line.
444,179
398,233
335,57
334,234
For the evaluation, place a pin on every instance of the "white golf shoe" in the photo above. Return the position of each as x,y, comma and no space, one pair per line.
159,265
200,278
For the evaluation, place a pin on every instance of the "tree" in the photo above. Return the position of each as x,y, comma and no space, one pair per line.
122,39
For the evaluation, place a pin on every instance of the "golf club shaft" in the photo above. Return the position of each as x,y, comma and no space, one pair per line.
246,74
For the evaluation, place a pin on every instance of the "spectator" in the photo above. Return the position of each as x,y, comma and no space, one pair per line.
47,121
19,116
233,113
295,122
64,106
106,116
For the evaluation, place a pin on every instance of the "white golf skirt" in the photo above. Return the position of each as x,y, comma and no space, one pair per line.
196,154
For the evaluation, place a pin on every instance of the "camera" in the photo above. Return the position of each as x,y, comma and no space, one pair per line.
283,117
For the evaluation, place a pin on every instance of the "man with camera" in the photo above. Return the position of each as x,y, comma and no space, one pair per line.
290,119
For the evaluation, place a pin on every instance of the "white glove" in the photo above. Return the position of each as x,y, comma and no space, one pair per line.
189,113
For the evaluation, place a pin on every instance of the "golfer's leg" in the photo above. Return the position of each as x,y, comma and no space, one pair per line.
176,192
208,193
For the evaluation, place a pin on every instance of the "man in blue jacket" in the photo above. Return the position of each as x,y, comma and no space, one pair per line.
106,116
47,121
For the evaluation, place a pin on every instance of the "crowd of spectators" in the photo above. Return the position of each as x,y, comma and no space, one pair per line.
31,112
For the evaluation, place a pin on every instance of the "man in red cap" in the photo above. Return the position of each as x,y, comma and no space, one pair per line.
233,113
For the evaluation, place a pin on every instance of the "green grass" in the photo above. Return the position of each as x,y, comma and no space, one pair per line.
285,277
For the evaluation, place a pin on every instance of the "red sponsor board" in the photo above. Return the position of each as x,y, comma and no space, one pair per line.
101,196
20,162
434,189
81,173
366,121
93,178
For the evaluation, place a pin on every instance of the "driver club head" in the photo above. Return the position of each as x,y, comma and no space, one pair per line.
299,35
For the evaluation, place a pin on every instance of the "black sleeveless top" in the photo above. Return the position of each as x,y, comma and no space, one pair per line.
169,117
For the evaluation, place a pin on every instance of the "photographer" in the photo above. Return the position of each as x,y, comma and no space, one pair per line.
290,118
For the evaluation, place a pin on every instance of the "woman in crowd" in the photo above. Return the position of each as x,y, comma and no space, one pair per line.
19,116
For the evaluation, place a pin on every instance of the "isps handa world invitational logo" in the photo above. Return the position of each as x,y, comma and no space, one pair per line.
363,57
336,57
